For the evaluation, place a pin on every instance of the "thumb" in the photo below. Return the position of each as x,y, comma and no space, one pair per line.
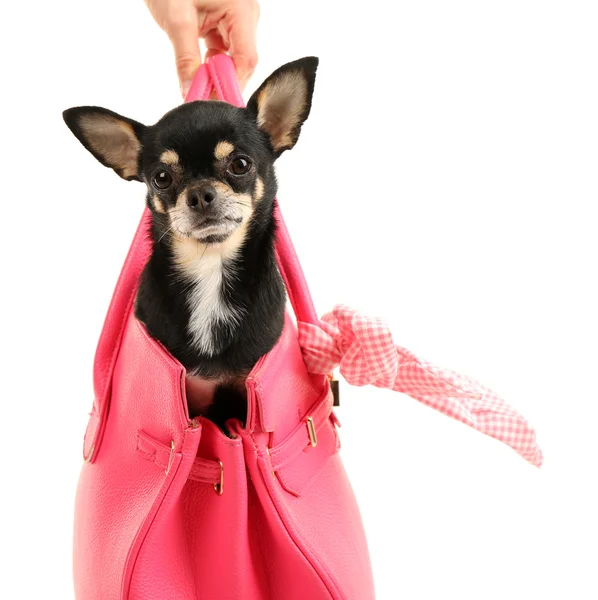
184,37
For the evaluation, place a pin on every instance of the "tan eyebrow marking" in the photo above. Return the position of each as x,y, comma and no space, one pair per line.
169,157
223,149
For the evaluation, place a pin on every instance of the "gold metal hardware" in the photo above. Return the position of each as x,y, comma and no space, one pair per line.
219,487
312,432
270,459
334,388
170,457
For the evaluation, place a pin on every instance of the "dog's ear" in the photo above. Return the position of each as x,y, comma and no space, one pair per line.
282,103
114,140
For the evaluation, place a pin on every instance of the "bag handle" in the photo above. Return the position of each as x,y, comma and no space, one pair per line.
226,86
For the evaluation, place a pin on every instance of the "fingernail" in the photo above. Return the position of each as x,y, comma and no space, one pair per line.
185,88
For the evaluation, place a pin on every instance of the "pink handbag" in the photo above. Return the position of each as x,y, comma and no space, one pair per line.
169,508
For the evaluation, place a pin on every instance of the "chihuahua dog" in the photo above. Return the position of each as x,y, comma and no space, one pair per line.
211,291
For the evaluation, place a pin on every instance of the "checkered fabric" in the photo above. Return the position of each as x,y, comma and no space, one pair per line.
364,349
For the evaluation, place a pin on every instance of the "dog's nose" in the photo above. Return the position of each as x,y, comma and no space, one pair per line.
201,197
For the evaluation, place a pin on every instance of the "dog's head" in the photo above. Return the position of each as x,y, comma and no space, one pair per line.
207,165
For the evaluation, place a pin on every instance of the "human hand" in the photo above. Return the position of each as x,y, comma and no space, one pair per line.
224,25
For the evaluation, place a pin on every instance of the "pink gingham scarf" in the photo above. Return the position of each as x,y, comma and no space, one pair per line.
364,349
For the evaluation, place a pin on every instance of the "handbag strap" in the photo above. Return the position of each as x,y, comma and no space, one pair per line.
219,75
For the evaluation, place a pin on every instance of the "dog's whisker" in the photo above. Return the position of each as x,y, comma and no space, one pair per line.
204,250
167,231
255,223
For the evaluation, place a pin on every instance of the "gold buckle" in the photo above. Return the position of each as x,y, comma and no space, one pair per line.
219,487
311,430
170,457
270,461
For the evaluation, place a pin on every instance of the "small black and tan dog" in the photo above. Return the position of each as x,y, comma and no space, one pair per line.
211,292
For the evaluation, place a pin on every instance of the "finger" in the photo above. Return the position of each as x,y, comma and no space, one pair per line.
242,45
182,31
214,43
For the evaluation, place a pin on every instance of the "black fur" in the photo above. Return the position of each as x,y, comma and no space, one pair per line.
251,281
193,130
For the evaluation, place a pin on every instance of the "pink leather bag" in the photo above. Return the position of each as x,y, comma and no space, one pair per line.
169,508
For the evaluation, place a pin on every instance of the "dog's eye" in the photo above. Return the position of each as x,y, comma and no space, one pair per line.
162,180
239,166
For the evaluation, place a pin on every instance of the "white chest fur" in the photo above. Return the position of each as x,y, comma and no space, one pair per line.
205,267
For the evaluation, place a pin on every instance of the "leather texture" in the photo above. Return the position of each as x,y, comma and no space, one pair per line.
168,508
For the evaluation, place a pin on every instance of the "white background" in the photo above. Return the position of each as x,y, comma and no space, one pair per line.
446,181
